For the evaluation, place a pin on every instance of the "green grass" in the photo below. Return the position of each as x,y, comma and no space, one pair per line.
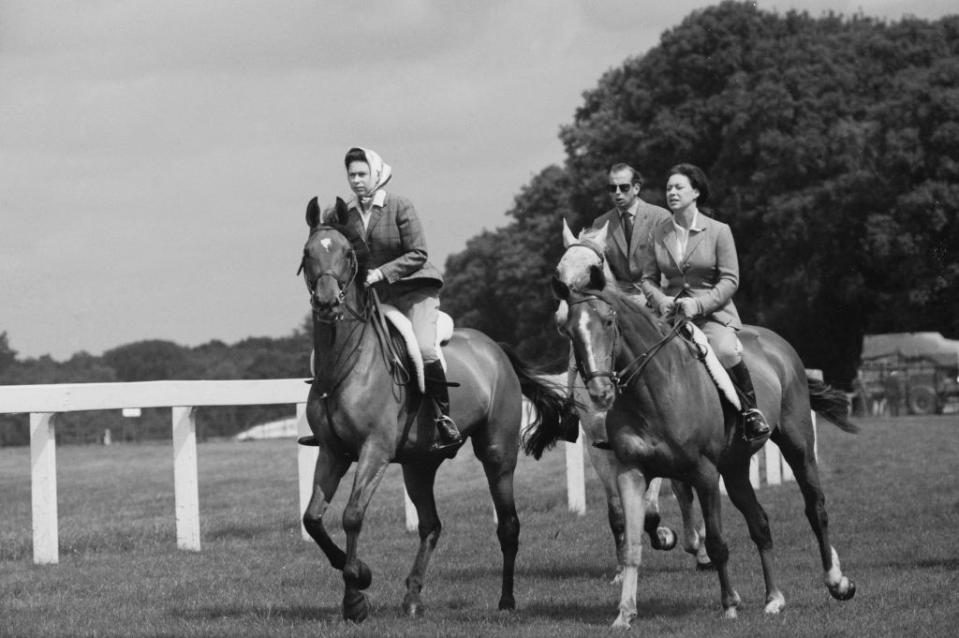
892,495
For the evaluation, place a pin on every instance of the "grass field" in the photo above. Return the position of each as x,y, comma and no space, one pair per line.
892,494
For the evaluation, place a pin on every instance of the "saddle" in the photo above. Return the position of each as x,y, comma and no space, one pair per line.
704,352
403,326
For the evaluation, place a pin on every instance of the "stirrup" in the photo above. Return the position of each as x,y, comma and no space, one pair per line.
755,427
448,435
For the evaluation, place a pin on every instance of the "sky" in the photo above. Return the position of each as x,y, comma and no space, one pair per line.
156,157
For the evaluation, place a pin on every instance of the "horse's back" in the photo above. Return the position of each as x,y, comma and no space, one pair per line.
778,372
488,385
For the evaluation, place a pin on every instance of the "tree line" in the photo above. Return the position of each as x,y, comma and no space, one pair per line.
832,147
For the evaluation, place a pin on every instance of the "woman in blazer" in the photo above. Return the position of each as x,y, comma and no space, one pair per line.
399,270
696,257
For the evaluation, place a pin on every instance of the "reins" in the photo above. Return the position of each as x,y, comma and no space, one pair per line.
634,368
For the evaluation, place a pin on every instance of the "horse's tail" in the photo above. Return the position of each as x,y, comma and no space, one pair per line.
831,404
556,416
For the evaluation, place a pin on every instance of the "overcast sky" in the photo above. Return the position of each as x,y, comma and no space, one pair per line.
156,157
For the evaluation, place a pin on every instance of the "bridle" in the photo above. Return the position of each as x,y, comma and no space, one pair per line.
622,378
326,313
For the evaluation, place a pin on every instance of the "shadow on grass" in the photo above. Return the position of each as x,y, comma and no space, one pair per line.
292,613
605,614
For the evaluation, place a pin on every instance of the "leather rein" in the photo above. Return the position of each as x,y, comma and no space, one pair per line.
621,378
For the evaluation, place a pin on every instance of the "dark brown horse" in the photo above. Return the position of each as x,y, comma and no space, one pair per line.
361,408
665,418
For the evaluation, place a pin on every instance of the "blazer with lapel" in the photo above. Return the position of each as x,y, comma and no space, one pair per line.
708,272
627,265
396,242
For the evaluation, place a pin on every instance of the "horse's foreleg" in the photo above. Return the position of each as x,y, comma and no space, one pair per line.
707,488
632,485
419,486
326,478
604,463
356,575
743,496
803,463
693,537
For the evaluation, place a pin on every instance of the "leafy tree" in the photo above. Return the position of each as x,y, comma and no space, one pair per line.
831,145
500,283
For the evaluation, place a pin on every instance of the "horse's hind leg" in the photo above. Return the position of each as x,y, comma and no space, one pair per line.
693,538
707,488
743,496
499,465
419,485
798,452
660,537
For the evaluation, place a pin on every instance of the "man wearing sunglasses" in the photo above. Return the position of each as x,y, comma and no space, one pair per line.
630,222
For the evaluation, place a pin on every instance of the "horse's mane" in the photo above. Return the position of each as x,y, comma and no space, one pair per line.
630,306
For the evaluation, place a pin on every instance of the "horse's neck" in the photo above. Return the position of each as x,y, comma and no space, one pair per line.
339,346
640,337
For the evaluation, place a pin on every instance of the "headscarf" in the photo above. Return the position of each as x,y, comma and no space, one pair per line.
380,171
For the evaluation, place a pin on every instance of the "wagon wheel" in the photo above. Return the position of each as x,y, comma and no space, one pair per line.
922,400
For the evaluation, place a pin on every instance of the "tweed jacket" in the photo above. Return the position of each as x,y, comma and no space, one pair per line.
708,272
627,266
396,242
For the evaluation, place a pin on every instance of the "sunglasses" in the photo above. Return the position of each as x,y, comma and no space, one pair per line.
622,188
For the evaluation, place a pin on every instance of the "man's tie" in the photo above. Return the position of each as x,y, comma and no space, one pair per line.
628,227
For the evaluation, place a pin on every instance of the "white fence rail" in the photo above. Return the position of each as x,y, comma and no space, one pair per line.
44,402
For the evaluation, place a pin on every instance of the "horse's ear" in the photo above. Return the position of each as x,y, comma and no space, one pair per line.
600,236
342,212
597,278
568,237
313,213
560,289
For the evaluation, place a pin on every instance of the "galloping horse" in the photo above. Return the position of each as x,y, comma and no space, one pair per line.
666,418
359,410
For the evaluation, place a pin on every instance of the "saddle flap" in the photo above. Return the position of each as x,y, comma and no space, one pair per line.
715,369
444,332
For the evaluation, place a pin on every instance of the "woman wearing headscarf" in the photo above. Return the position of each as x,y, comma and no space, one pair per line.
399,269
697,257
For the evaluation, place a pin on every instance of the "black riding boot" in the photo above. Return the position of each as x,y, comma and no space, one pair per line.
754,423
438,391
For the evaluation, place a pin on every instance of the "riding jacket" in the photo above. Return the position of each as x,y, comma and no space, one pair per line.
395,240
708,272
627,265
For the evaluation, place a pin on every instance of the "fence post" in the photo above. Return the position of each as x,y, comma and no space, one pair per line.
43,470
186,489
576,476
306,462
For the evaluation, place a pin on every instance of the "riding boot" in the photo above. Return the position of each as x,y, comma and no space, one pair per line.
438,390
754,423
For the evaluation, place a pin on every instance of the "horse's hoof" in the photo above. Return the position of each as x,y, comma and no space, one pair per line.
705,567
363,575
413,608
622,621
666,539
730,613
507,603
356,608
844,594
775,603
